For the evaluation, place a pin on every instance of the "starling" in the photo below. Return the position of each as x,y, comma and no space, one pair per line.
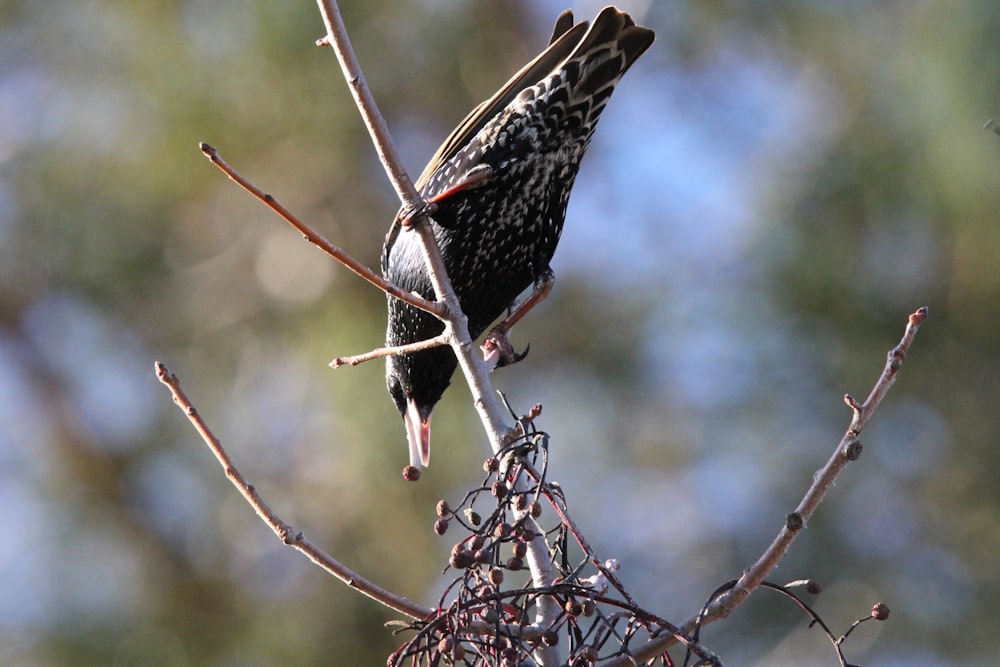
500,185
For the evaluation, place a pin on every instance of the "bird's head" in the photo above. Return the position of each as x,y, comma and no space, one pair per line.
416,383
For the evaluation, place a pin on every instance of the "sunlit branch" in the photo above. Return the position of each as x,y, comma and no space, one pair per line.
848,449
317,240
284,531
381,352
476,371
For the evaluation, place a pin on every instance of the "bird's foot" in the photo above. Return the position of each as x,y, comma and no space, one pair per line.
497,350
410,214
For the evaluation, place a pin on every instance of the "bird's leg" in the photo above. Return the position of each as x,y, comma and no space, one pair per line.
497,350
407,215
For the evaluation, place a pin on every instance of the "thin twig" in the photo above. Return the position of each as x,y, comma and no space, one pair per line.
313,237
848,449
564,517
337,38
284,531
380,352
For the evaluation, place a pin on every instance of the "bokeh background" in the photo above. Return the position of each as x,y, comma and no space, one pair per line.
774,187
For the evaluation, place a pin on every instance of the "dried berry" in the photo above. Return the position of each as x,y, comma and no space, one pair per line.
442,508
460,560
520,502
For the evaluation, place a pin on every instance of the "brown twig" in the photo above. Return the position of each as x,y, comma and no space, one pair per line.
848,449
562,511
316,239
284,531
380,352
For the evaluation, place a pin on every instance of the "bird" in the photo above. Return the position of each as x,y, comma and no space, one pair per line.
499,187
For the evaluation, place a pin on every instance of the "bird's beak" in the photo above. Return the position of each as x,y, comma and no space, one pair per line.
418,434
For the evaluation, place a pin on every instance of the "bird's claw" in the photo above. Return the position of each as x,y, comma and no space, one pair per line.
409,214
498,352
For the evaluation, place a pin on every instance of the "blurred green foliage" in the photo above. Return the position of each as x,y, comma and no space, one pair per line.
773,189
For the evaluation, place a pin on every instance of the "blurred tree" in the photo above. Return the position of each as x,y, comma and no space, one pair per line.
775,187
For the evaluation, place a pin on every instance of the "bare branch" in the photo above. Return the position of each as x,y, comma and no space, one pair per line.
317,240
848,449
456,326
337,38
381,352
476,371
287,533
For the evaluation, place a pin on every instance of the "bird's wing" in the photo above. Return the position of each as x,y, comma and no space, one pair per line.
565,40
563,23
565,37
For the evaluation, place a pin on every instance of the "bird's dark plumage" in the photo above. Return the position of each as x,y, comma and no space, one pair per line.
501,183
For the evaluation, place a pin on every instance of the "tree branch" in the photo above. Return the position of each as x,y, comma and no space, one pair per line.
381,352
313,237
476,371
456,325
284,531
848,449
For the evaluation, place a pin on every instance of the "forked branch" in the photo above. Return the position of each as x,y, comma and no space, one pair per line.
475,370
456,326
